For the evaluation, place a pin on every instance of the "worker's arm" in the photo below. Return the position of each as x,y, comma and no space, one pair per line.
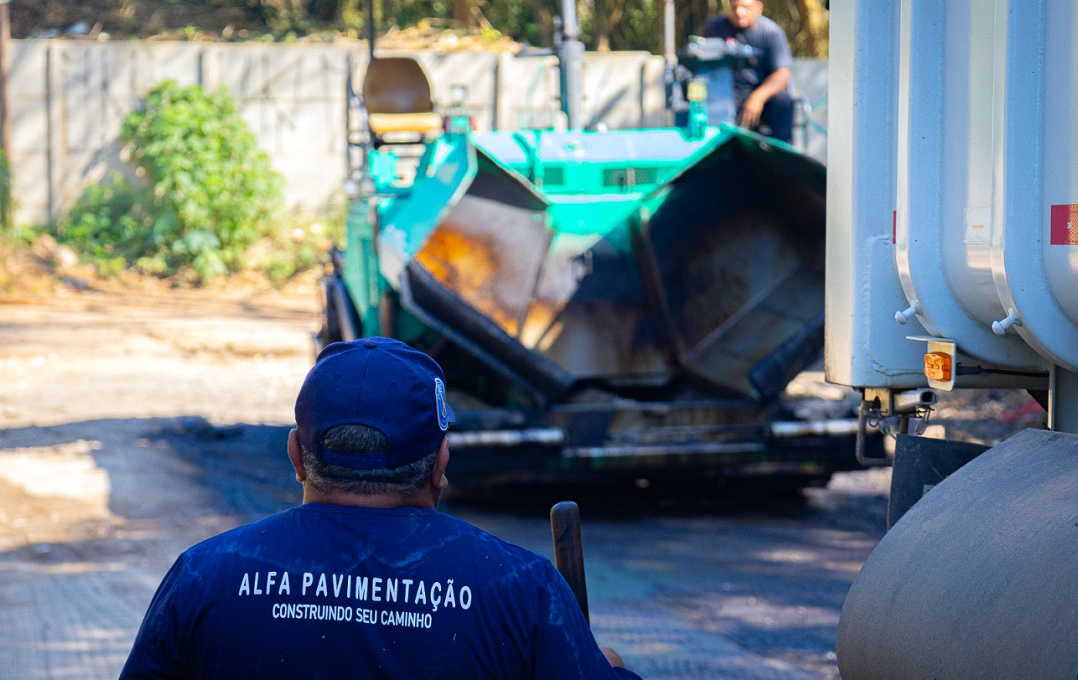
754,103
612,657
157,653
564,645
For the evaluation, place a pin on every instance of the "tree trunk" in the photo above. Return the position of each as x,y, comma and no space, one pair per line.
609,19
463,13
813,26
544,19
389,12
325,11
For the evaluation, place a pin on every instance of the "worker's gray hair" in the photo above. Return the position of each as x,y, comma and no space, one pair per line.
327,477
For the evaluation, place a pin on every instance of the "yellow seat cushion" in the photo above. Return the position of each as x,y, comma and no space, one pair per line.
422,123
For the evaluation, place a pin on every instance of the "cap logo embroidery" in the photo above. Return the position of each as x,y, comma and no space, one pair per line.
440,407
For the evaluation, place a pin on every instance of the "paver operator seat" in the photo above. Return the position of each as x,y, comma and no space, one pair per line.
396,93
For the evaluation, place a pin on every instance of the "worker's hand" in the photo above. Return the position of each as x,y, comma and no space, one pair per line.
612,657
751,110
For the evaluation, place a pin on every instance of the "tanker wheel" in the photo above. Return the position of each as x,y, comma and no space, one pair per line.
339,318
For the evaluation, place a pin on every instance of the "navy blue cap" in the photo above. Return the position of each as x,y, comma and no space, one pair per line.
377,382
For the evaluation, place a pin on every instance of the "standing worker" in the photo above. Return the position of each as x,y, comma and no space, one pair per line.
365,579
760,93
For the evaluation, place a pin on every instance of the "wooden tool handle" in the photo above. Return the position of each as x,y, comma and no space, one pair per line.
569,551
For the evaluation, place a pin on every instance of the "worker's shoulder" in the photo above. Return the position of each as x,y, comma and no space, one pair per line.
310,524
487,542
765,25
280,527
718,26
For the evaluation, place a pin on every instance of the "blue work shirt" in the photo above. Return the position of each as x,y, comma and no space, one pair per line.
766,38
333,591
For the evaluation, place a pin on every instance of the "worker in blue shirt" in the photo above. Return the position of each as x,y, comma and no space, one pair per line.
365,579
760,82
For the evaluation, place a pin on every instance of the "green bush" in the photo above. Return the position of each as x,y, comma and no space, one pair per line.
6,205
209,192
287,253
110,221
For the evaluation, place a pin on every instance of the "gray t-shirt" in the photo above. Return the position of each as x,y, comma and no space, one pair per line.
769,41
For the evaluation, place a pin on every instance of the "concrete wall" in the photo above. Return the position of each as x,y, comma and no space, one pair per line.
68,101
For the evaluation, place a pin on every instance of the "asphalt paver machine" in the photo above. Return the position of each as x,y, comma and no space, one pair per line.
618,305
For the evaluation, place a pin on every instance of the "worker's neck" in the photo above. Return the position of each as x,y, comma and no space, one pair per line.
421,499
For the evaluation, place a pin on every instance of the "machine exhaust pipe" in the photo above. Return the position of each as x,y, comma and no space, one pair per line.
570,66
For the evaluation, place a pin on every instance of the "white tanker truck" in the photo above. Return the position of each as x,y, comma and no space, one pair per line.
952,262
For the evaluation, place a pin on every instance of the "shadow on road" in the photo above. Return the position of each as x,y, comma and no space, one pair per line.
626,500
680,571
243,470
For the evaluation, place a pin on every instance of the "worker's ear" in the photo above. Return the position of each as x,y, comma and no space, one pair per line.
295,454
441,461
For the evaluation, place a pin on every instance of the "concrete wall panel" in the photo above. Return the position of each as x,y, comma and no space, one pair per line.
68,101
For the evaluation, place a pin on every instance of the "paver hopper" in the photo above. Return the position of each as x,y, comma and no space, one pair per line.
604,303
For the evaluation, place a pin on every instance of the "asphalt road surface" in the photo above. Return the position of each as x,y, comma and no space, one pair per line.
133,425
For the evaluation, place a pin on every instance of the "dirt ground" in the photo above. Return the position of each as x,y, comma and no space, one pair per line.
104,361
99,378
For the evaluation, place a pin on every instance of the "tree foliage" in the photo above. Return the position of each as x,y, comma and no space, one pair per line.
605,24
5,192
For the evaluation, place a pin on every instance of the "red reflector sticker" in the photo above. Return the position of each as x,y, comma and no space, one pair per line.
1064,225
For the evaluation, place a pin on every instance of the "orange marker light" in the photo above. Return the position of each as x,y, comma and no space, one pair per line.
938,366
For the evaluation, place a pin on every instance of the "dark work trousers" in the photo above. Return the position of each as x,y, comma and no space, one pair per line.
778,116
